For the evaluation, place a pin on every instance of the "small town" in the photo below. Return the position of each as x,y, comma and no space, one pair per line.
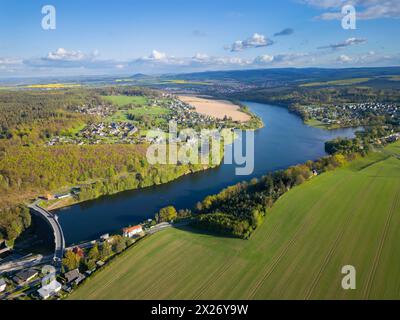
133,130
351,114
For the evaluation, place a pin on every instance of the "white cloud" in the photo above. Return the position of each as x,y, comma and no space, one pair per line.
344,59
62,54
10,61
346,43
366,9
73,62
201,57
157,56
255,41
264,59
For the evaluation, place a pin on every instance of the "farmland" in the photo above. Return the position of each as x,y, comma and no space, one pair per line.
350,216
343,82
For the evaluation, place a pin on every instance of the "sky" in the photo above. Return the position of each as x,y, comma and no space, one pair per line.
96,37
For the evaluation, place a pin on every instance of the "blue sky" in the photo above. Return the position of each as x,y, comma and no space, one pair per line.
130,36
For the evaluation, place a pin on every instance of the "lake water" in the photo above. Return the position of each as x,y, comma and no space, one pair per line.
284,141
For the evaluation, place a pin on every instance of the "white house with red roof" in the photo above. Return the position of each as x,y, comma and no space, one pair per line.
131,231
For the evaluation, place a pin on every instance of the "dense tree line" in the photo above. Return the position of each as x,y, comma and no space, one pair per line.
128,91
240,209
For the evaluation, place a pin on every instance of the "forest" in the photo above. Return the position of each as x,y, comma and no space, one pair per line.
319,96
28,168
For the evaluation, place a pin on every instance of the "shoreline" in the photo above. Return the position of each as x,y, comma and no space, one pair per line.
66,203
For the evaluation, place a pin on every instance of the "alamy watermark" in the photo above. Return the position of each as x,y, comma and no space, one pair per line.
49,21
349,280
204,147
349,20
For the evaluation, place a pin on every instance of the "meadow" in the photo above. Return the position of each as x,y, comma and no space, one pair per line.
350,216
122,100
134,107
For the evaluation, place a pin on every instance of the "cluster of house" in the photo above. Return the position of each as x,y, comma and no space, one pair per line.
352,113
101,110
113,129
390,138
124,132
94,133
31,277
185,116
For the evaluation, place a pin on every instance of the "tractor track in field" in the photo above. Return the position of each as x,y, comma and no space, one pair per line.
117,275
215,275
270,269
166,266
326,261
331,252
367,290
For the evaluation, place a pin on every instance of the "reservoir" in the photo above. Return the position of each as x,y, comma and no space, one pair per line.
284,141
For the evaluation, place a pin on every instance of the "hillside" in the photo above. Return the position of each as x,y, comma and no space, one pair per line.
348,216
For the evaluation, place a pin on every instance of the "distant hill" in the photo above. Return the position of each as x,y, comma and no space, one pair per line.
288,75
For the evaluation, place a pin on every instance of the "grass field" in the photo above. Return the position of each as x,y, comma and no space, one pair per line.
347,217
122,101
122,115
141,108
317,124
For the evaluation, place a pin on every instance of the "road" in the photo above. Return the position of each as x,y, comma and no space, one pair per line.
164,225
25,263
57,230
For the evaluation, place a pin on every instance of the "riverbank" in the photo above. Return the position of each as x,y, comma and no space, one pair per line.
56,204
284,141
216,107
339,210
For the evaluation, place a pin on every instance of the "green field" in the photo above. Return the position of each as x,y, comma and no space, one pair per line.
141,108
350,216
122,101
317,124
343,82
122,115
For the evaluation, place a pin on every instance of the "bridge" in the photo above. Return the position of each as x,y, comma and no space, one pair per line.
52,221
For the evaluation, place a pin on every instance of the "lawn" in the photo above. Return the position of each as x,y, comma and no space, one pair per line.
350,216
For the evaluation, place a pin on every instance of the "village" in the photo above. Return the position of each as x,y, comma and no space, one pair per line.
352,114
134,128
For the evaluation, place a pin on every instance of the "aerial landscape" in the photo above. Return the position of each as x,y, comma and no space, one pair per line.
146,155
